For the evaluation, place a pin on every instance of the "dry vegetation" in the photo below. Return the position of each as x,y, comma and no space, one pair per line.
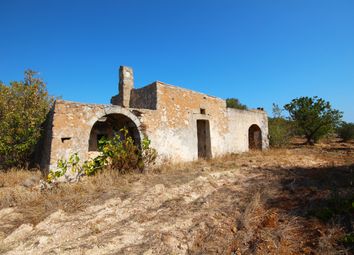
286,201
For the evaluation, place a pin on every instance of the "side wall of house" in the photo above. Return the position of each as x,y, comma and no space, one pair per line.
172,128
239,123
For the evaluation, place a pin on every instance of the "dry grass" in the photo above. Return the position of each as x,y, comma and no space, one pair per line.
36,205
15,177
272,212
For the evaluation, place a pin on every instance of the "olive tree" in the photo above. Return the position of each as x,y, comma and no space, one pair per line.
23,109
313,117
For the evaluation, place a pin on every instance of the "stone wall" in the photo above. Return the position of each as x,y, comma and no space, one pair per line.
172,128
144,98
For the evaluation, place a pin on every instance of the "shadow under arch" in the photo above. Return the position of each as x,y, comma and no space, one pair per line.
110,125
254,137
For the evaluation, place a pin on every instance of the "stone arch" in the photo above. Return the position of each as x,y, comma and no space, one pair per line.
254,137
110,124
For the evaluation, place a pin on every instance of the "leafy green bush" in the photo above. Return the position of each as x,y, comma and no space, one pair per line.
280,129
280,132
346,131
23,109
123,154
235,103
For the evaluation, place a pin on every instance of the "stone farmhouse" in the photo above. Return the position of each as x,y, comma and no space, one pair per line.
183,125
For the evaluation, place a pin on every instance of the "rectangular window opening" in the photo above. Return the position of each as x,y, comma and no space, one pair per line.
202,111
63,139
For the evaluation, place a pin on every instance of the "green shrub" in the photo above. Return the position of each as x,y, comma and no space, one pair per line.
280,129
235,103
23,109
280,132
123,154
346,131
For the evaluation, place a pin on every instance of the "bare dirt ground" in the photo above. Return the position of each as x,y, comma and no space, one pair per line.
286,201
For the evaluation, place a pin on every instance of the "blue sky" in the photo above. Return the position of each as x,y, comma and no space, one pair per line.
261,51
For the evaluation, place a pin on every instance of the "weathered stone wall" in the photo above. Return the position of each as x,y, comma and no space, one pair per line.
144,98
172,128
168,115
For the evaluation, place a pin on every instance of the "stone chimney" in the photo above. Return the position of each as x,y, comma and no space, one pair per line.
126,84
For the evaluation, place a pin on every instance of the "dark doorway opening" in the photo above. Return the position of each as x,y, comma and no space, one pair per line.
109,126
254,138
204,144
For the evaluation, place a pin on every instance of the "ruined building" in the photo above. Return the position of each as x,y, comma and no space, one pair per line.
183,125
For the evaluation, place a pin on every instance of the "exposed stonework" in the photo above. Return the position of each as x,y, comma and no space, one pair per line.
126,85
168,115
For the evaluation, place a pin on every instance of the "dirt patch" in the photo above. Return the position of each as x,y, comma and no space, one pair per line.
286,201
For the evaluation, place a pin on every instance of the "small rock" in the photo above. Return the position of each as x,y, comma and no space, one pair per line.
43,185
206,169
159,188
30,182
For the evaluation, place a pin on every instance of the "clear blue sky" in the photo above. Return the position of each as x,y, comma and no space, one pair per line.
261,51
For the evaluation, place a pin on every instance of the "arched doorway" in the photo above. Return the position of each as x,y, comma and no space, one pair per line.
110,125
254,138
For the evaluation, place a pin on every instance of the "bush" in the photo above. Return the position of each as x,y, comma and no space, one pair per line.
23,109
122,153
280,132
346,131
235,103
280,129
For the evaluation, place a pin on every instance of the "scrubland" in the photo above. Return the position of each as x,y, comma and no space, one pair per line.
298,200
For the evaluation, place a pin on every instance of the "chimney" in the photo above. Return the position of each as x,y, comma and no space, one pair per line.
126,84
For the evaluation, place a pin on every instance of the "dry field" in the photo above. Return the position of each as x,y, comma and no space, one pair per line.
286,201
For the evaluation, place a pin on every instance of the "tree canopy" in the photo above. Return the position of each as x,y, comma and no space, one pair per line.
313,117
23,108
235,103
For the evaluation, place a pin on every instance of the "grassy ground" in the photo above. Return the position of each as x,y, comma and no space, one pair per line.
281,201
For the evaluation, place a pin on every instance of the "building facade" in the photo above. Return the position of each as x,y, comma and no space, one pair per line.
183,125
